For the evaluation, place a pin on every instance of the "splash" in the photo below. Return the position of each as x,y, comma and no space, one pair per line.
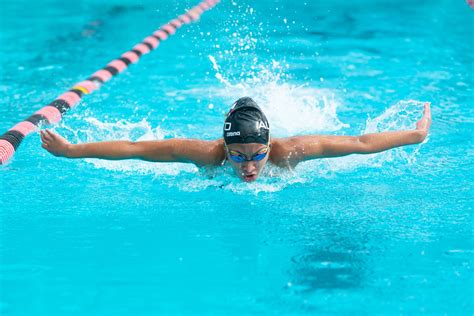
400,116
243,67
273,179
291,109
96,131
294,109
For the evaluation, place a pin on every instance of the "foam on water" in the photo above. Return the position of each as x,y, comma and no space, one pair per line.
273,179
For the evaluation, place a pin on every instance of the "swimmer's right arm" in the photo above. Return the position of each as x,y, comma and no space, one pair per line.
199,152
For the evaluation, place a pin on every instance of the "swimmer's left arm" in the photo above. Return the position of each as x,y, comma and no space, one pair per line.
303,148
199,152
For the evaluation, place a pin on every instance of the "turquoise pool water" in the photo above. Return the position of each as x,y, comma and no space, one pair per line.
387,234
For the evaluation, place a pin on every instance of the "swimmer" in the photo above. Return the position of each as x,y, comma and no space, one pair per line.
246,145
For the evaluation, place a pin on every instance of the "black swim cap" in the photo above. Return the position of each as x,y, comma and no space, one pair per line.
245,123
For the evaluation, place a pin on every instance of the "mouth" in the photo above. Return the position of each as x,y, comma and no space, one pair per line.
249,177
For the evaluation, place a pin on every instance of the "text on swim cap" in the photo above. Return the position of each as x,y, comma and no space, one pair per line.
261,124
230,134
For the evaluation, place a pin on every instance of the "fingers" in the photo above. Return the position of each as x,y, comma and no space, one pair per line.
45,142
51,135
427,109
425,122
426,113
45,136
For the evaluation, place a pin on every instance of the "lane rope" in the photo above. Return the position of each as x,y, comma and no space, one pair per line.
53,112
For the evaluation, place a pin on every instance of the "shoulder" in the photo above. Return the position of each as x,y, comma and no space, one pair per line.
200,152
283,151
289,151
293,144
212,151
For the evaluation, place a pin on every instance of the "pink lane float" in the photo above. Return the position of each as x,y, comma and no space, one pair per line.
53,112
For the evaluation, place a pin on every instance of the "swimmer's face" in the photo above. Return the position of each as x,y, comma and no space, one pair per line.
247,171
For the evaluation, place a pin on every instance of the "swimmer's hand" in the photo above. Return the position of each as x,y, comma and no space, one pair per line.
423,125
54,143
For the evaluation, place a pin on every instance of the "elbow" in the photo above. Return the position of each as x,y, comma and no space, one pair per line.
134,150
132,146
362,146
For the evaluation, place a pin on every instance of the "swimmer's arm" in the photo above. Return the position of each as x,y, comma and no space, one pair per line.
303,148
199,152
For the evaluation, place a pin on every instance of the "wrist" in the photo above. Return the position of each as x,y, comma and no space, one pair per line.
420,135
68,153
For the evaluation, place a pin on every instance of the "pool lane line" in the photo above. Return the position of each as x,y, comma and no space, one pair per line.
53,112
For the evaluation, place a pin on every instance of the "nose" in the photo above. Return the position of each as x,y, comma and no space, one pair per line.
249,166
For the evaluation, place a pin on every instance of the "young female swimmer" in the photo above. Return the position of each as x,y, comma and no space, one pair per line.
246,144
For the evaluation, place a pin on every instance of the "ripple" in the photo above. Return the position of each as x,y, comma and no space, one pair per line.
459,253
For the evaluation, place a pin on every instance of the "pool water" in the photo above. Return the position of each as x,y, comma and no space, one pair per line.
389,233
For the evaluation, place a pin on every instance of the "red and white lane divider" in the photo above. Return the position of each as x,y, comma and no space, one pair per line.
53,112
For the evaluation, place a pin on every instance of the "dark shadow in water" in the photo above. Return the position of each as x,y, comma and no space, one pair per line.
94,29
349,25
323,269
120,9
334,254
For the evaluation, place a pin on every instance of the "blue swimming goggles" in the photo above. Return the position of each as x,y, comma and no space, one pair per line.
238,157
